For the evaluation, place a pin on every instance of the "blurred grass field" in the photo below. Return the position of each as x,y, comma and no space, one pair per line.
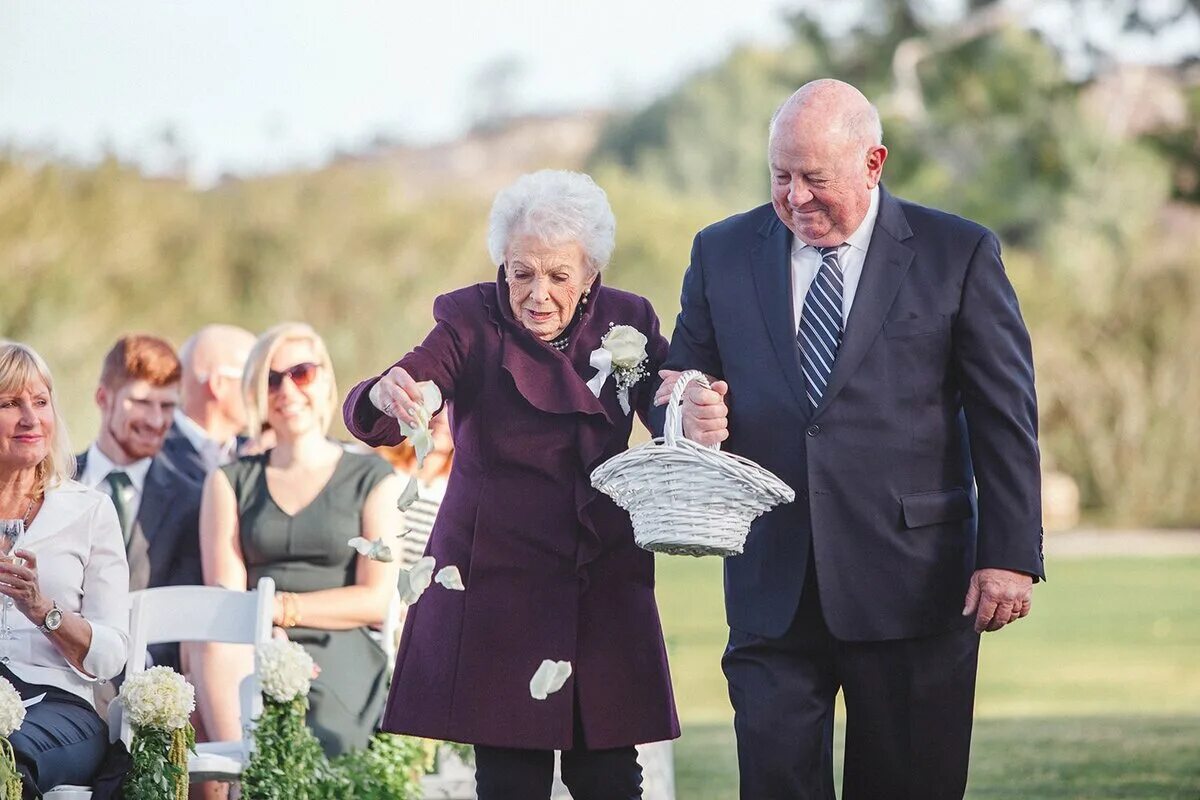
1095,695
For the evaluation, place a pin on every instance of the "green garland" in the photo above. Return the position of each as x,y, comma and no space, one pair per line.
10,781
389,768
288,763
159,769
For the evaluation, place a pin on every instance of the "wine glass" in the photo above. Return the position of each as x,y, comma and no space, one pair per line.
10,531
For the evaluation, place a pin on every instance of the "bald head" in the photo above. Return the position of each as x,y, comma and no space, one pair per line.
826,156
833,108
213,361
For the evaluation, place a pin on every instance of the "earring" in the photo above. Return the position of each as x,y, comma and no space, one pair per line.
584,299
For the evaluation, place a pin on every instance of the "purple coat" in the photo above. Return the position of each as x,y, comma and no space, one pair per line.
550,566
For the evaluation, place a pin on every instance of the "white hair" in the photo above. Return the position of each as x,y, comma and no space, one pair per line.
555,206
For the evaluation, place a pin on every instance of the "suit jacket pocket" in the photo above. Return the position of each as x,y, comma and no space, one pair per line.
932,508
916,326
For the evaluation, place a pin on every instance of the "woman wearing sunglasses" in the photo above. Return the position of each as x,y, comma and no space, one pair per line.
287,514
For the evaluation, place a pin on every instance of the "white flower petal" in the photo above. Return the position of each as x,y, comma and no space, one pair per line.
431,396
375,550
414,581
408,496
549,678
451,578
422,441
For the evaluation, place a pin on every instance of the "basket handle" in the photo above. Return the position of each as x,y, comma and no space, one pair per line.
673,430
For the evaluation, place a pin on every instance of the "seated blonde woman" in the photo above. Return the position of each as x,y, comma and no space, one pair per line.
68,602
287,514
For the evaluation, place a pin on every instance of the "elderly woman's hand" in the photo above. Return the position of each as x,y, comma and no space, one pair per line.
20,582
397,395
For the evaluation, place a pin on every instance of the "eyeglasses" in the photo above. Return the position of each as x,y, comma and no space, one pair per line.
301,374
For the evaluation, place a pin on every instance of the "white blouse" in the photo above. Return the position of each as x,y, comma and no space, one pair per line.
81,565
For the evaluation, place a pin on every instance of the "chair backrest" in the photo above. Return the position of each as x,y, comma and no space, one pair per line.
201,614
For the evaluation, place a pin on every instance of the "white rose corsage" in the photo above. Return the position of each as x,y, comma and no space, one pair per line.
622,352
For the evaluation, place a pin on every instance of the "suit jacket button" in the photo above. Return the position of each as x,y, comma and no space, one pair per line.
813,430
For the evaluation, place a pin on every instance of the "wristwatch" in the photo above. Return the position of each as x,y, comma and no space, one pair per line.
53,619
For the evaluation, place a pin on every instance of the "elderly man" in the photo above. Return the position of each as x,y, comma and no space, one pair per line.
212,411
871,353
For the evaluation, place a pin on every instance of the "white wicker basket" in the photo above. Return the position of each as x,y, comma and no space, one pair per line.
687,499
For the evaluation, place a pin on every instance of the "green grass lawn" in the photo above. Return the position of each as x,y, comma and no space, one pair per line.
1095,695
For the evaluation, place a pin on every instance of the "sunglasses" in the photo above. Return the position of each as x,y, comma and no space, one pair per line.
301,374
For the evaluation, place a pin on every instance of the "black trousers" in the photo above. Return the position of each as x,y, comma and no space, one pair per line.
62,740
509,773
909,706
503,773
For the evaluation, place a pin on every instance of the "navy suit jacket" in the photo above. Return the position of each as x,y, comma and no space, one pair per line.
169,518
931,398
183,456
178,449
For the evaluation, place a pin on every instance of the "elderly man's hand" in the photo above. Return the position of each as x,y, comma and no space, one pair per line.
997,597
397,395
705,415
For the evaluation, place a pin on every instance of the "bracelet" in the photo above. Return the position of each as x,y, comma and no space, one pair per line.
291,610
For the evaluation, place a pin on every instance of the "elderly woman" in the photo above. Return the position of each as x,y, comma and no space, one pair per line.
68,602
288,514
549,565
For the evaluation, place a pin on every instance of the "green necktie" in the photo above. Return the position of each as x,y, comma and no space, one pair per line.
119,486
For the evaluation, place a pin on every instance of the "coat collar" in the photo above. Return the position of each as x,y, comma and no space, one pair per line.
886,265
548,379
556,383
64,504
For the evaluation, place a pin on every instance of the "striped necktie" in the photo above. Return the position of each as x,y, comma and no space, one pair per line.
820,332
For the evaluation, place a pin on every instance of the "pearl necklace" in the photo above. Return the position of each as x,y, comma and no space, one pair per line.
561,343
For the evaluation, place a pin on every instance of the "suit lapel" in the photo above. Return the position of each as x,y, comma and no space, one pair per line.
883,271
771,265
156,497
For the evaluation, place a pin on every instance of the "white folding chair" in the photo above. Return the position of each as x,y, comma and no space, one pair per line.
202,614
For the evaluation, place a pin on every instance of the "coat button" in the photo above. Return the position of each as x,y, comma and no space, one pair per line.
813,430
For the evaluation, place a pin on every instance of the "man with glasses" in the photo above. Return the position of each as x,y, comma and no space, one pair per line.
212,409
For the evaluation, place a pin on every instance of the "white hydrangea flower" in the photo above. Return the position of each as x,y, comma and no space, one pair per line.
285,670
414,581
451,578
12,712
158,698
549,678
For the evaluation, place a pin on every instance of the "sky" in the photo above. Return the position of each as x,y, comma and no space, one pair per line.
252,86
260,85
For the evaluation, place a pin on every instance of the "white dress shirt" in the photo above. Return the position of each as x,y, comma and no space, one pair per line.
213,453
81,565
806,261
98,467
